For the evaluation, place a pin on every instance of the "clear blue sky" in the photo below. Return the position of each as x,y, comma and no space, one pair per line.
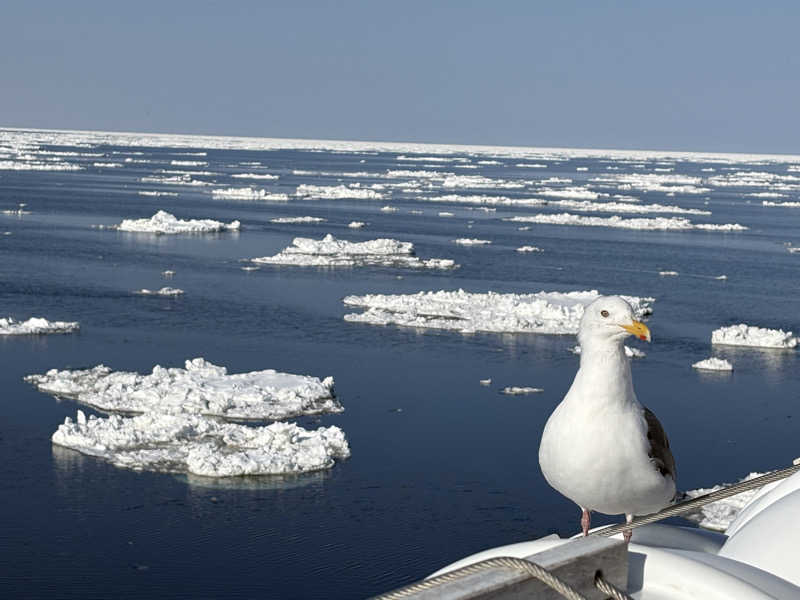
719,76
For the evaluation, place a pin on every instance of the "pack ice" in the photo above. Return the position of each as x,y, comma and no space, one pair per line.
194,444
180,428
541,312
200,388
331,252
35,326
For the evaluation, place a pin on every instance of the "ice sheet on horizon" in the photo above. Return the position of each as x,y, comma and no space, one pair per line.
166,223
749,335
200,388
332,252
656,223
186,443
557,313
35,326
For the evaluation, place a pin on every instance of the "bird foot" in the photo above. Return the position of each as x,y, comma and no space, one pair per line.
586,520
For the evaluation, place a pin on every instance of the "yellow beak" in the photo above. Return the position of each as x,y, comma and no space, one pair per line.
638,329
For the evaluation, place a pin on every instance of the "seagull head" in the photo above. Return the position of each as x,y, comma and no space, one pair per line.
610,318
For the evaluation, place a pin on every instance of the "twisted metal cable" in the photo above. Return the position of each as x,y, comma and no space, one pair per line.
508,562
688,505
605,587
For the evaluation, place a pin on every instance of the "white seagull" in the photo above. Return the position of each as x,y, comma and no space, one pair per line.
600,447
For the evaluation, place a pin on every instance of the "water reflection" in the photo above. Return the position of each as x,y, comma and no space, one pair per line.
260,482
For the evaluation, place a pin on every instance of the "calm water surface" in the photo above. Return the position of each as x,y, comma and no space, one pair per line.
441,467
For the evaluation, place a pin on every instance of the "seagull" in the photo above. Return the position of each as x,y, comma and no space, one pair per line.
601,448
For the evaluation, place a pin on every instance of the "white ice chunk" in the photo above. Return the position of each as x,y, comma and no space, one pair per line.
248,193
668,273
201,388
255,176
166,223
529,249
201,446
485,381
516,391
748,335
328,192
332,252
356,224
35,326
542,312
471,242
164,291
713,364
298,220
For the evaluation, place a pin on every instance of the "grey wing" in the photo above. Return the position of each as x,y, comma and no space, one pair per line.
659,445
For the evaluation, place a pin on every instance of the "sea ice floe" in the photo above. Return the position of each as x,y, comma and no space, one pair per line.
485,381
184,179
168,273
332,252
298,220
189,163
719,515
166,223
389,209
446,214
107,165
356,224
781,204
529,249
193,444
575,193
329,192
201,388
748,335
478,181
11,165
656,223
668,273
484,200
541,312
517,391
655,182
255,176
247,193
713,364
156,193
164,291
35,326
472,242
625,207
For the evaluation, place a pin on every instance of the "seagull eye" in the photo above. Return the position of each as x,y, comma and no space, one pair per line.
604,313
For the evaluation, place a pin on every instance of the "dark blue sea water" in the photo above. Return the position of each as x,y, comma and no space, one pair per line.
441,466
